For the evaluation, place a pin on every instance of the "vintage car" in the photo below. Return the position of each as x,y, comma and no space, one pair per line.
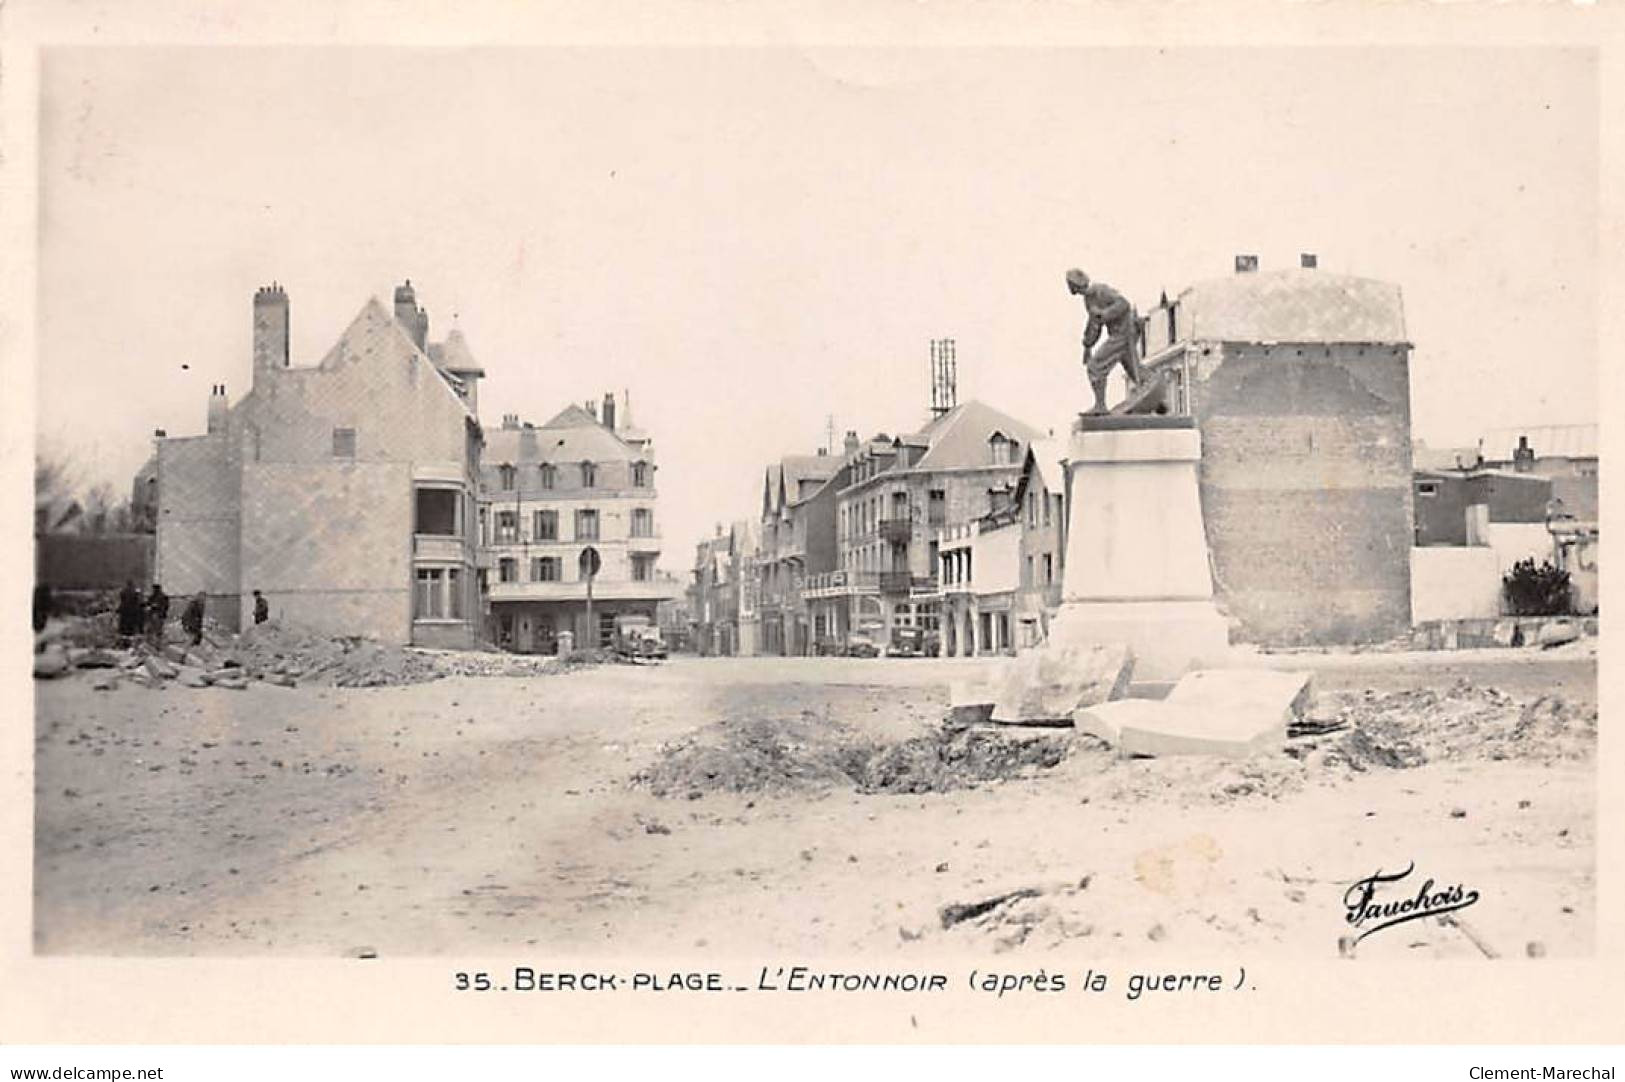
859,644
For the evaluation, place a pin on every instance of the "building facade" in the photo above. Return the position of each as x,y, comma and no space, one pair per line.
1299,381
903,494
345,491
569,525
1000,575
796,540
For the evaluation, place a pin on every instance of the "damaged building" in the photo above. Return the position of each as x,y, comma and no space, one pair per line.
344,491
1299,380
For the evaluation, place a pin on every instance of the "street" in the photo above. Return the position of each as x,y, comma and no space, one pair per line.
500,813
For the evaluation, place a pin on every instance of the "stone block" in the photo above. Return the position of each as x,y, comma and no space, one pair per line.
1182,728
50,662
1105,721
1273,698
1506,633
1049,684
104,681
1557,632
970,702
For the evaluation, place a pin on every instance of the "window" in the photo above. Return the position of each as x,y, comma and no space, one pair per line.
439,594
507,528
589,475
437,512
643,522
506,473
344,443
545,569
1027,572
550,475
937,506
1049,568
544,526
586,525
1001,449
1032,508
1046,501
1427,488
642,567
507,569
640,475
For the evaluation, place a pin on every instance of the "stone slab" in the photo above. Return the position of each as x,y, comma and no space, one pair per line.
1273,698
1046,685
1170,728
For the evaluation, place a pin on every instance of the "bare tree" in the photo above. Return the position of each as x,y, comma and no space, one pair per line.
55,479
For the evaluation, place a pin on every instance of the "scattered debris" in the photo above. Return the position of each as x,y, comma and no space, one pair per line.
812,752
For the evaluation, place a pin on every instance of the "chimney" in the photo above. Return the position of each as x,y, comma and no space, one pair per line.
592,408
851,444
270,329
159,434
414,319
1523,456
609,410
510,420
219,408
1246,264
1308,260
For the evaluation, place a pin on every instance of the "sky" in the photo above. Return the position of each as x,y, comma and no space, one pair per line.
755,241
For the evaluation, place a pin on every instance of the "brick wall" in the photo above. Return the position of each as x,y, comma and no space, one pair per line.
330,545
1306,488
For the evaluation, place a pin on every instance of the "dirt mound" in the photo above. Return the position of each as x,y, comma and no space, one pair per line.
813,752
1409,728
949,759
757,754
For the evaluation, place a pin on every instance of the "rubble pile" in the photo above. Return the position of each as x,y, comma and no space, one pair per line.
810,752
272,652
1409,728
949,758
755,755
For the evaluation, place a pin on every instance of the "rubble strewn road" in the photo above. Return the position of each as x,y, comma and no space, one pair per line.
759,806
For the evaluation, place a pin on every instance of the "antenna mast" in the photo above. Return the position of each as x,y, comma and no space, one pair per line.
944,376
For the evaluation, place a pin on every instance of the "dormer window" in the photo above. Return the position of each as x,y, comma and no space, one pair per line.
589,475
1003,449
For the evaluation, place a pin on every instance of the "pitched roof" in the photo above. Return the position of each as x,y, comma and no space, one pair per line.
958,439
1295,305
573,435
1547,441
375,328
454,355
789,472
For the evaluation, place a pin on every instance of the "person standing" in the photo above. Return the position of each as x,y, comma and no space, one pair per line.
157,614
192,618
262,608
129,611
44,606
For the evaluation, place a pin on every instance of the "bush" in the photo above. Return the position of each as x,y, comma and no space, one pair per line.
1532,590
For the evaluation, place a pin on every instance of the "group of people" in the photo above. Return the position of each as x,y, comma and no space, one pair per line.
138,615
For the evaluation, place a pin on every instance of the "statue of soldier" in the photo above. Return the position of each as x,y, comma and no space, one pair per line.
1109,311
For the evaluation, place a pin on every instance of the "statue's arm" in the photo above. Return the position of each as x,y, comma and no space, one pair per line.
1091,333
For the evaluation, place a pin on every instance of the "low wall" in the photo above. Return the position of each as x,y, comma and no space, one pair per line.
1455,582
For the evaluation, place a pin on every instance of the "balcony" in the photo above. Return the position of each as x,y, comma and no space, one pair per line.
645,542
438,547
896,531
895,582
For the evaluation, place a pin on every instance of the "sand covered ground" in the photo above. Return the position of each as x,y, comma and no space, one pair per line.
742,806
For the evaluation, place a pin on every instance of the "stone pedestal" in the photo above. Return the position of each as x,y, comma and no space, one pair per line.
1137,569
